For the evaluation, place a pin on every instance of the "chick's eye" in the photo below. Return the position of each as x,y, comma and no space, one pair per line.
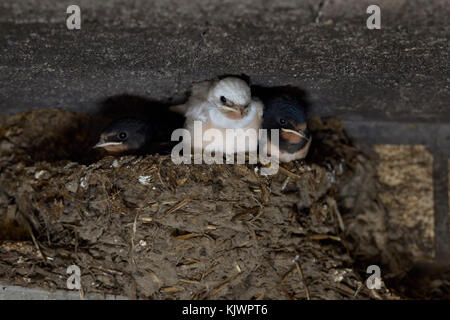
123,135
282,121
223,99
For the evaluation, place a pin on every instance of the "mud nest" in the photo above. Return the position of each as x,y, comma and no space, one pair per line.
143,227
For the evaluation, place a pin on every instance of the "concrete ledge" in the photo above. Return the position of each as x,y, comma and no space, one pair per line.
22,293
157,49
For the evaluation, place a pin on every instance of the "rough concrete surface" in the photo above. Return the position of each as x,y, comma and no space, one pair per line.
21,293
157,48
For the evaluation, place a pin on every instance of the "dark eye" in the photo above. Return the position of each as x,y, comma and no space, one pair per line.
123,135
282,121
223,99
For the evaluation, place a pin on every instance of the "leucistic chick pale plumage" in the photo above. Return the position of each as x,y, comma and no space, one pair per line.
222,104
285,110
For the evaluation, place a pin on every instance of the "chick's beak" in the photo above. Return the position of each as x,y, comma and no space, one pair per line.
106,141
231,109
301,133
236,108
106,144
99,144
304,134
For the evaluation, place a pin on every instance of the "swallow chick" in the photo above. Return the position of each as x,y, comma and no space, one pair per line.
125,136
285,111
222,104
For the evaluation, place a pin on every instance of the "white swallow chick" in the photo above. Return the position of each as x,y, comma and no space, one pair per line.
221,105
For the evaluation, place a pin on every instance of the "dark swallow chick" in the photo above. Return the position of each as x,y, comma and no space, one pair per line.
285,110
125,136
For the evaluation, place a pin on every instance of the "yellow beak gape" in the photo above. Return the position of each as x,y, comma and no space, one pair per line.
105,144
230,109
300,134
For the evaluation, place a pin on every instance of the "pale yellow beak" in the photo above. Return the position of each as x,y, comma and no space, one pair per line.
299,133
226,108
106,144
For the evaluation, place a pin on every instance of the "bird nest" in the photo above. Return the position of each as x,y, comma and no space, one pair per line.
143,227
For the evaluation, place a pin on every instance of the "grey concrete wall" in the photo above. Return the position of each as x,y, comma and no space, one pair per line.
157,48
22,293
